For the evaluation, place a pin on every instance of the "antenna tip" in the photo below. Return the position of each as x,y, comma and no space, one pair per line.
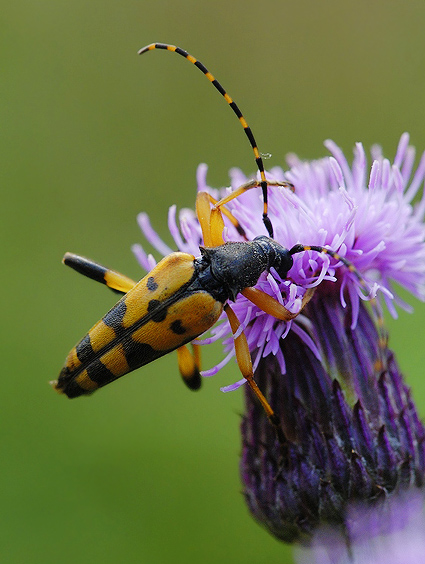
146,48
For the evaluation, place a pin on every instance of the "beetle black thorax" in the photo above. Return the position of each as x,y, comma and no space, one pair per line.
226,270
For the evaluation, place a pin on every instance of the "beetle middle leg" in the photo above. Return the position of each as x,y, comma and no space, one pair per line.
243,358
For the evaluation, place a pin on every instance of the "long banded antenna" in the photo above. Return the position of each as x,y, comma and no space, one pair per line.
235,108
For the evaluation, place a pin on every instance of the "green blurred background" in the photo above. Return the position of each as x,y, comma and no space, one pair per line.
144,471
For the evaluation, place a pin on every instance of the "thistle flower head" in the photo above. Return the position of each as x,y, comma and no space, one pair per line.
367,217
351,433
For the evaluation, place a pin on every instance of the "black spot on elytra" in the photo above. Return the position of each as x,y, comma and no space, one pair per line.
157,310
177,327
73,390
114,318
65,377
138,354
84,349
151,284
99,373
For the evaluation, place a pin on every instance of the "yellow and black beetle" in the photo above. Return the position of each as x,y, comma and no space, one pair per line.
183,296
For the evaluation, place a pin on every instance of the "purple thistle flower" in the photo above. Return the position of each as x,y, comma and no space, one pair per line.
390,532
352,436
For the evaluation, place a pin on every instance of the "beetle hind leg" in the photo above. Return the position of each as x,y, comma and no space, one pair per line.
189,366
95,271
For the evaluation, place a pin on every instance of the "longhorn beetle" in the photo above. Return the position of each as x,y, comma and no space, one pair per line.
183,296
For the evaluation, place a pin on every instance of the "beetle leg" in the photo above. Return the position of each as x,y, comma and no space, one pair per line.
230,217
114,280
211,221
196,351
189,366
271,306
203,211
247,186
243,358
216,227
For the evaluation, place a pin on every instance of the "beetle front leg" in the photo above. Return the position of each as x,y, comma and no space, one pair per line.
211,221
271,306
248,186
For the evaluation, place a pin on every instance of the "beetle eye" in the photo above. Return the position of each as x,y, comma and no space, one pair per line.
286,264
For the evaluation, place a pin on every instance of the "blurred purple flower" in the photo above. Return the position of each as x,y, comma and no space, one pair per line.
391,532
353,439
